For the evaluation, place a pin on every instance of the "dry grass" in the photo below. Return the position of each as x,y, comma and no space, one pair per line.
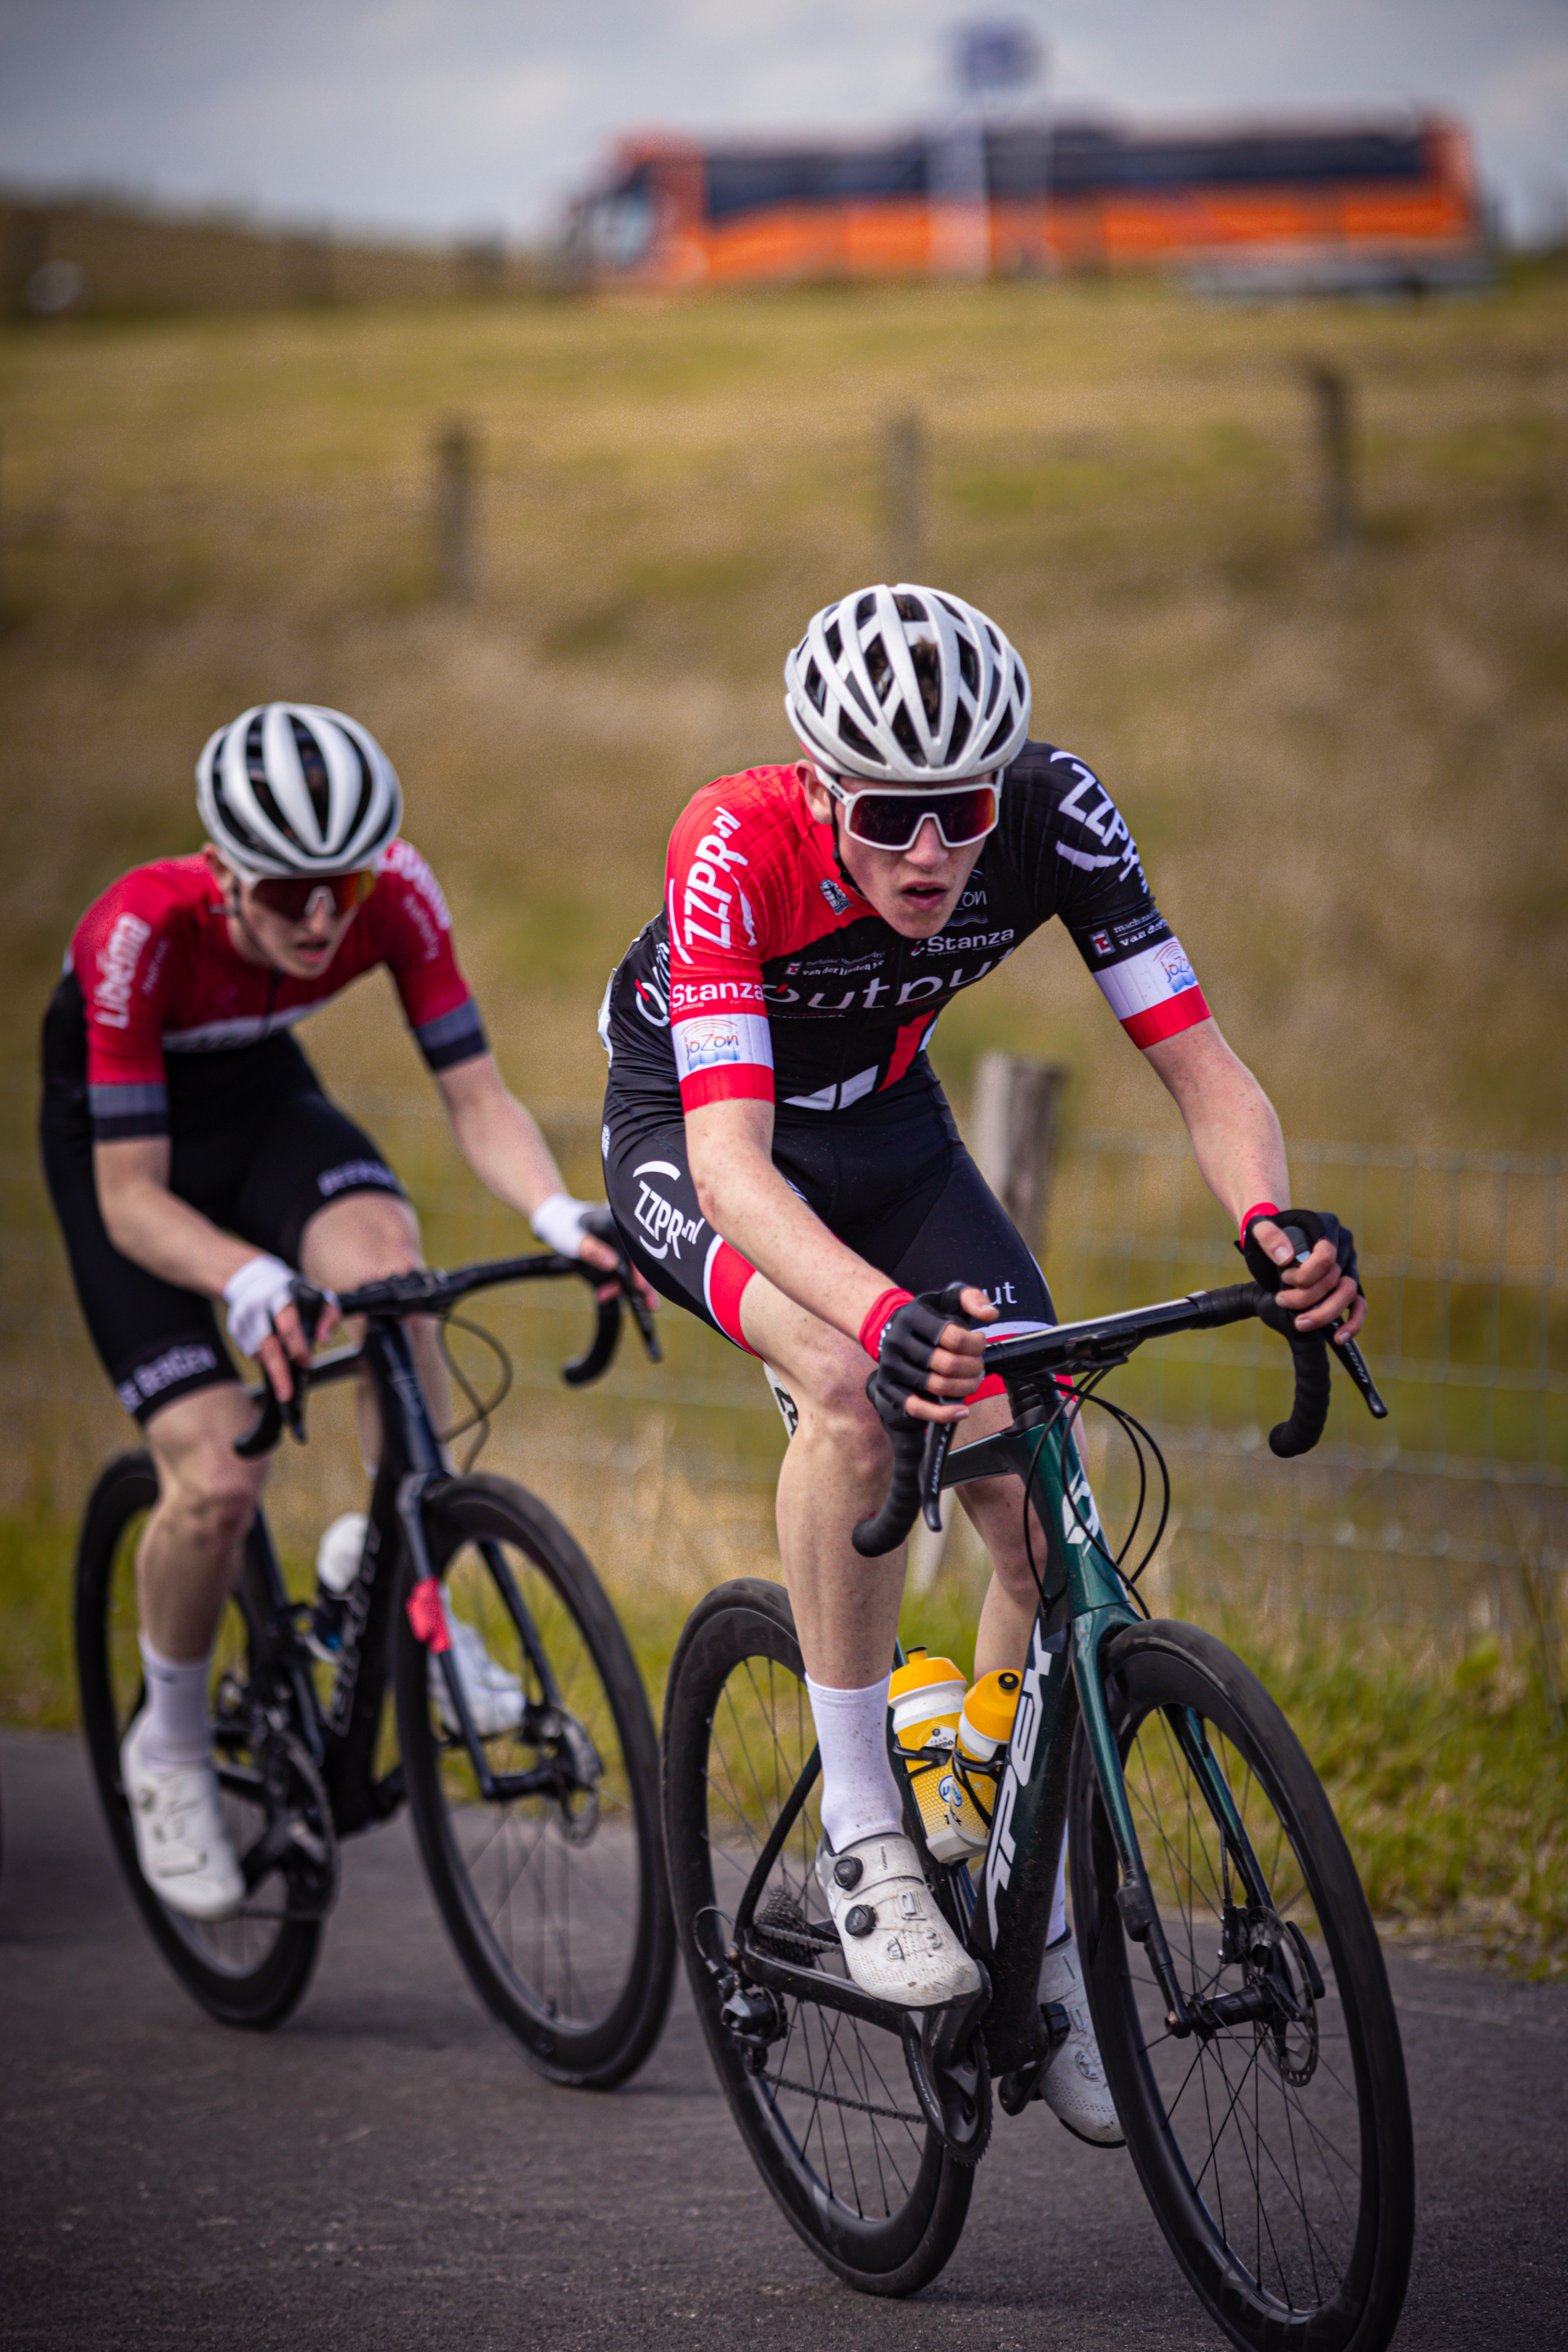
1346,771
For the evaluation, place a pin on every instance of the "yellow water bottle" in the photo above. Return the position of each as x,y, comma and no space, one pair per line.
926,1697
985,1724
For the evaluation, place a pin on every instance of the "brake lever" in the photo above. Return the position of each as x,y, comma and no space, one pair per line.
933,1460
600,1222
1349,1354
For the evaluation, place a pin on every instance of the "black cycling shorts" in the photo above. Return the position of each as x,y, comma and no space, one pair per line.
895,1184
254,1144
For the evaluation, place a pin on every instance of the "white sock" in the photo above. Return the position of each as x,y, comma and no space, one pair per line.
860,1795
178,1728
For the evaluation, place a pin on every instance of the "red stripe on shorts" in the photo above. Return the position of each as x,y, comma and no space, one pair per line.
724,1279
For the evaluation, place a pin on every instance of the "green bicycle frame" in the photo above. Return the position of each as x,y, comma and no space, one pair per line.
1085,1601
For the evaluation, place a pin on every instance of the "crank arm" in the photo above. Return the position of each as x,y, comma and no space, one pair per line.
827,1992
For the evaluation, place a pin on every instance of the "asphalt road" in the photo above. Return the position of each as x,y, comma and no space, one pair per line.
386,2172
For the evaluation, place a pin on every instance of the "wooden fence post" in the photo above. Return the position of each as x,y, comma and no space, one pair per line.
902,468
455,562
1334,423
1014,1138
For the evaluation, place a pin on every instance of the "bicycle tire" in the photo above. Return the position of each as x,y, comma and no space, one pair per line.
1275,2148
882,2207
561,1916
250,1971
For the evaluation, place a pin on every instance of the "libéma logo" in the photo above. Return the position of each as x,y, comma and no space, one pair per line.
662,1222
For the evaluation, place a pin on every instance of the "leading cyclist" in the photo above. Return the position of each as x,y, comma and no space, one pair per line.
782,1161
192,1156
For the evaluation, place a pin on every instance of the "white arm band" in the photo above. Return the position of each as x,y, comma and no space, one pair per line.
558,1223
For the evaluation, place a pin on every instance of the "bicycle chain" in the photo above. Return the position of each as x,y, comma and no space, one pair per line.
835,2099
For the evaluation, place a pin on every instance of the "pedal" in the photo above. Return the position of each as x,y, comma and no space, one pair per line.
1015,2091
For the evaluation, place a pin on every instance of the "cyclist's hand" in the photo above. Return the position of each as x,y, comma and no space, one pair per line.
265,1322
923,1357
1325,1289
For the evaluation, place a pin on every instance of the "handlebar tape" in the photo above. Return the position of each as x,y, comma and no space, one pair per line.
601,1347
884,1533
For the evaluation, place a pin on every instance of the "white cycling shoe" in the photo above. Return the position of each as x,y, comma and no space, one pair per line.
1075,2088
181,1841
896,1942
494,1698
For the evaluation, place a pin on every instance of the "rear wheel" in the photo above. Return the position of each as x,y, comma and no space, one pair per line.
1274,2142
823,2102
252,1969
552,1888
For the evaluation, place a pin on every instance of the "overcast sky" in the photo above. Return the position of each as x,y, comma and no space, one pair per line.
442,115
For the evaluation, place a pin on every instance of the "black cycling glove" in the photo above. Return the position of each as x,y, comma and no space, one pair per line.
1313,1227
909,1339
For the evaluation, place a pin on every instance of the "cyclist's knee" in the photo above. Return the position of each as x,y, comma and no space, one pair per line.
209,1503
365,1238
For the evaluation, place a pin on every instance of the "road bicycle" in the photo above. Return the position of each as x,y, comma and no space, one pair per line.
1233,1972
542,1840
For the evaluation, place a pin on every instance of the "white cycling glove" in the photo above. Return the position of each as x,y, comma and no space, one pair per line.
559,1223
254,1296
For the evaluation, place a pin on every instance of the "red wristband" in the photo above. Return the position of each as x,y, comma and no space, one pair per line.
1259,1208
879,1316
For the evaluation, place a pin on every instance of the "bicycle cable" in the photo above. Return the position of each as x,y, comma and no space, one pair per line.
1136,1434
481,1409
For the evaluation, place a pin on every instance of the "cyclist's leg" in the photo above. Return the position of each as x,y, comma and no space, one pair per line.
834,1472
193,1548
320,1193
967,1235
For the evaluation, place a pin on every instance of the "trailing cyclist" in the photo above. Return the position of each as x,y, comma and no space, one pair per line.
782,1161
192,1155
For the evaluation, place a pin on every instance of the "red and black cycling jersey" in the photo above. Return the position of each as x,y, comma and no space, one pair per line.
159,974
768,976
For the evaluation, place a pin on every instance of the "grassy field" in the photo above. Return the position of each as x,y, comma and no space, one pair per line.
1346,769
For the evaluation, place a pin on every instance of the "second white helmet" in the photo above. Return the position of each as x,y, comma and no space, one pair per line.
907,685
289,788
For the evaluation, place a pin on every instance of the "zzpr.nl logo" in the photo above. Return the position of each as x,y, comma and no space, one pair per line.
664,1227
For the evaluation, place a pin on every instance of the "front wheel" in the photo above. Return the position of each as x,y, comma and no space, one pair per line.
1274,2141
552,1887
250,1971
823,2102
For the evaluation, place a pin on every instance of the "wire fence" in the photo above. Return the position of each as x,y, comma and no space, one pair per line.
1443,1524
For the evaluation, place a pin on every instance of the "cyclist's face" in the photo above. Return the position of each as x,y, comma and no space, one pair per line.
301,948
915,889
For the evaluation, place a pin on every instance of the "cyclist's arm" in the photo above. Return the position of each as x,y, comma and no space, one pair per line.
155,1229
743,1197
500,1140
1240,1153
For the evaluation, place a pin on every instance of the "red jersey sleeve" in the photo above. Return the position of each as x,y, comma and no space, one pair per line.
718,896
119,954
413,929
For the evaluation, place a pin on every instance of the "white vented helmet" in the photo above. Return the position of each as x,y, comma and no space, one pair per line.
907,685
289,788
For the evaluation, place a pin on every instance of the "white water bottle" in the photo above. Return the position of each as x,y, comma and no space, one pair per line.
338,1558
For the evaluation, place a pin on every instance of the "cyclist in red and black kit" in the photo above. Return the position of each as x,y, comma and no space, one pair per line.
780,1159
192,1156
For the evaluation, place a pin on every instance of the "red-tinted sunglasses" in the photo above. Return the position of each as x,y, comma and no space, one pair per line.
293,896
962,814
